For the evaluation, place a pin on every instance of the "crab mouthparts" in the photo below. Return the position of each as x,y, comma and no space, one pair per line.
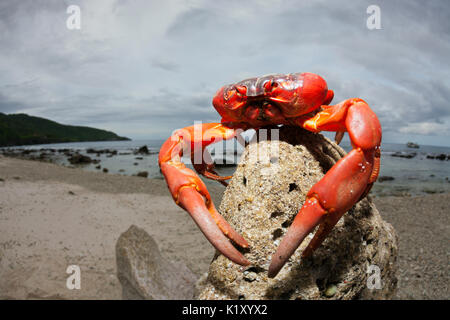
261,110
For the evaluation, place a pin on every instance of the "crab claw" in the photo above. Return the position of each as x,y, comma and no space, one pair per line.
343,185
191,194
306,220
193,202
325,206
189,191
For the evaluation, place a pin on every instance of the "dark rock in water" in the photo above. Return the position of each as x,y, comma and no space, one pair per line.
105,170
143,150
139,158
143,174
98,167
135,164
145,274
406,155
412,145
441,156
104,151
432,191
79,159
385,178
261,201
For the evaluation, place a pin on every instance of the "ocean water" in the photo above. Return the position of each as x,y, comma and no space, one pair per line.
415,176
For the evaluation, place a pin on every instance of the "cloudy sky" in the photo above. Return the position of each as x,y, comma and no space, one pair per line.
142,68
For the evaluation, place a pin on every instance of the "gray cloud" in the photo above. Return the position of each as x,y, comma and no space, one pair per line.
9,106
143,69
165,64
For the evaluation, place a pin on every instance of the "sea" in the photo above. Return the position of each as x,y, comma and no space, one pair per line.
418,175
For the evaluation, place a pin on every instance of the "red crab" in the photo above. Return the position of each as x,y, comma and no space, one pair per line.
300,99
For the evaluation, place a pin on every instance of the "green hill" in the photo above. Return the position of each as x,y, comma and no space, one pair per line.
22,129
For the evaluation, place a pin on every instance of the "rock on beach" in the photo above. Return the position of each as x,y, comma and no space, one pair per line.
145,274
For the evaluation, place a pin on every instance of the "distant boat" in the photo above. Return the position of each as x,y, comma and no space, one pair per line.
412,145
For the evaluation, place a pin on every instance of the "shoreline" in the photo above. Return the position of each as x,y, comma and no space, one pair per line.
53,216
403,173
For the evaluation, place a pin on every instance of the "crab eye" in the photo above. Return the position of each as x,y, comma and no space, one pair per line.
241,89
270,85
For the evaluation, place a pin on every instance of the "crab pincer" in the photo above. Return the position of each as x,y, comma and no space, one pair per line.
343,185
189,191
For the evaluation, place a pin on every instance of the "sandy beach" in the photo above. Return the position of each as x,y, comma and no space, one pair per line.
53,216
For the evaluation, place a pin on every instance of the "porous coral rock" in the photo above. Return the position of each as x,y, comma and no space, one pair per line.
262,199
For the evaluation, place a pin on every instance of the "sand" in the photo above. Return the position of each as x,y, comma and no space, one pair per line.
52,217
423,228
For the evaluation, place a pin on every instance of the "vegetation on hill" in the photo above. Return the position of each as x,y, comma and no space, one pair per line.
22,129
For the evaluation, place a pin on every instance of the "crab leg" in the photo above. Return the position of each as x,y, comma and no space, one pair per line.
343,185
189,191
